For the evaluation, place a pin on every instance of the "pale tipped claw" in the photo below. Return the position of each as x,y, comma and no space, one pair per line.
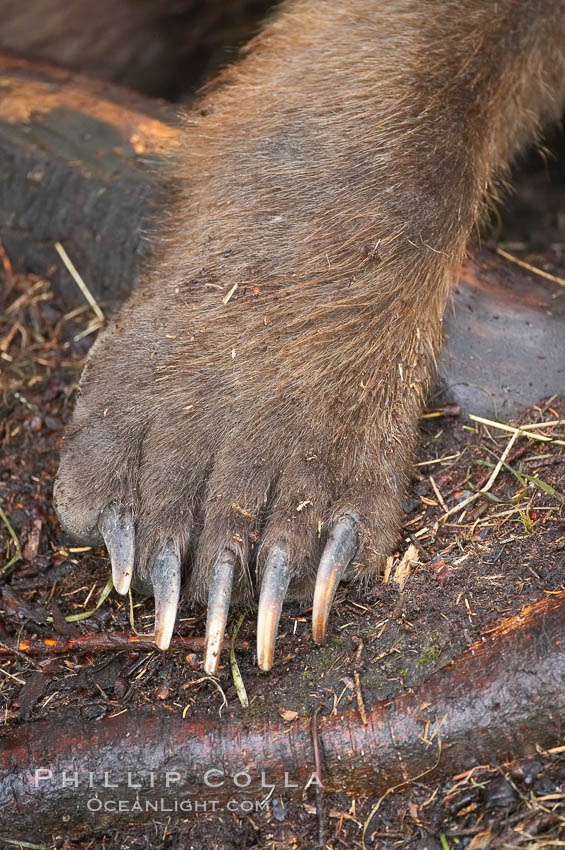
165,573
117,529
338,554
219,596
274,586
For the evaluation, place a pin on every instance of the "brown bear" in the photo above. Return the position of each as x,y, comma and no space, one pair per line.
249,417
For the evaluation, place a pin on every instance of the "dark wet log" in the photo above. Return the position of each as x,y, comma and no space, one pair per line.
501,698
78,165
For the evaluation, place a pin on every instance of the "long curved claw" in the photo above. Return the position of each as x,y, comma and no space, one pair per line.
165,573
338,554
219,597
116,526
274,586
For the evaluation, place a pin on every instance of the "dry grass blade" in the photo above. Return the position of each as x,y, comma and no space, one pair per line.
18,553
534,269
106,590
460,505
525,430
236,675
72,270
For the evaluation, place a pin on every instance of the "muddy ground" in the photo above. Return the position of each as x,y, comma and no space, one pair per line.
463,575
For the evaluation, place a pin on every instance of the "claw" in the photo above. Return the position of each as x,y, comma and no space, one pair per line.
273,590
117,529
219,597
337,555
165,572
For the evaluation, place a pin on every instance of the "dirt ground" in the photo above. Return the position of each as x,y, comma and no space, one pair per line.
448,581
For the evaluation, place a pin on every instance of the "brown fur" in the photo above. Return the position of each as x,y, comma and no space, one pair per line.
334,175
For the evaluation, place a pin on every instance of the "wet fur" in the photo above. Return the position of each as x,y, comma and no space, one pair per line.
334,175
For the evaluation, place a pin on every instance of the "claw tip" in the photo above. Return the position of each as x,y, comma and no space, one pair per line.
211,665
122,583
265,661
162,639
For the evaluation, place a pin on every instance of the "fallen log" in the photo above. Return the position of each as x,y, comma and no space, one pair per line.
79,165
500,699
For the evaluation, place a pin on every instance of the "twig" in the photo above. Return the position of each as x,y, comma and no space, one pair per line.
85,615
525,430
438,495
529,267
112,642
216,685
456,508
6,649
519,453
27,845
18,555
11,676
320,801
316,744
236,675
359,695
449,410
438,460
